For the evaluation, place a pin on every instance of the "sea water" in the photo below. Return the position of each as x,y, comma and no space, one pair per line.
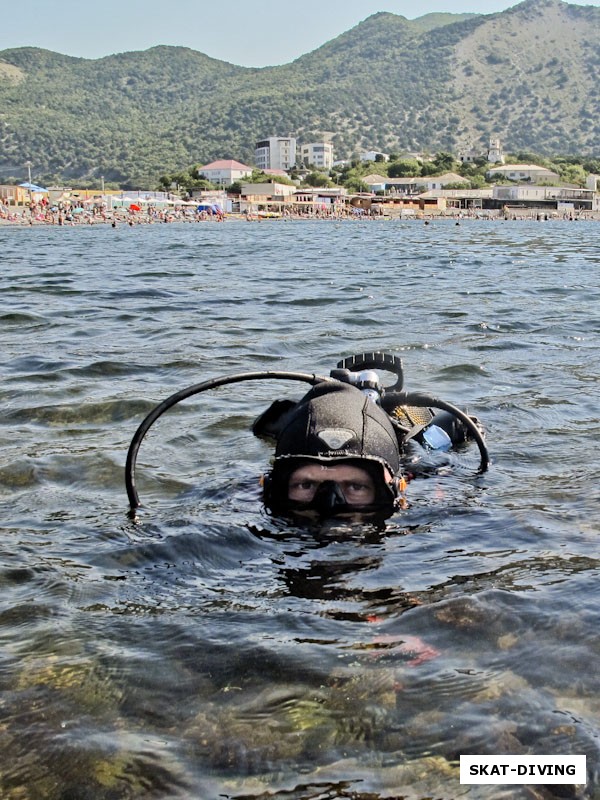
206,650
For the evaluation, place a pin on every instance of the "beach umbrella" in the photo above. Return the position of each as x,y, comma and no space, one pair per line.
32,187
134,207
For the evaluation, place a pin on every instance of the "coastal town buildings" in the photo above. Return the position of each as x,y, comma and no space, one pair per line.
523,188
334,197
276,199
224,173
593,182
381,183
317,154
548,200
376,183
440,181
522,172
21,194
275,152
555,198
255,192
494,155
469,155
373,155
458,199
212,197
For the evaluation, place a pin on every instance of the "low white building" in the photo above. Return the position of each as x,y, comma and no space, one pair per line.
523,172
211,197
372,155
375,182
224,173
275,152
469,155
460,198
561,197
439,181
264,198
381,183
317,154
267,191
405,185
334,196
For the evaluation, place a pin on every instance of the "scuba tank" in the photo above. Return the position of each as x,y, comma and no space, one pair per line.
413,414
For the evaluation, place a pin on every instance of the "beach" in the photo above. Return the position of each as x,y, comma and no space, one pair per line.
81,216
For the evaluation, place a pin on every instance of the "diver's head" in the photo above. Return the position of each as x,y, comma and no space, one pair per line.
337,454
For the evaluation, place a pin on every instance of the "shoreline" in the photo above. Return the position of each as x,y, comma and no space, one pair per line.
84,220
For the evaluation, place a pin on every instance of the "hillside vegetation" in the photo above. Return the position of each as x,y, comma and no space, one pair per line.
530,75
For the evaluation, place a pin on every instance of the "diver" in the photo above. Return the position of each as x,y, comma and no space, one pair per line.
348,447
336,454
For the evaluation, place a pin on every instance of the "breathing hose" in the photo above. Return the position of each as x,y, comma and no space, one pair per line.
214,383
418,399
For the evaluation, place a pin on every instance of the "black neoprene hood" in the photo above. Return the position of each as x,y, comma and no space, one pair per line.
337,421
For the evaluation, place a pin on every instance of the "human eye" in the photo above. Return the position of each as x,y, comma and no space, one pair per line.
358,492
302,488
302,483
357,487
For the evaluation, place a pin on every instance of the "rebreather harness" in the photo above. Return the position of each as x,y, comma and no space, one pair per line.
409,412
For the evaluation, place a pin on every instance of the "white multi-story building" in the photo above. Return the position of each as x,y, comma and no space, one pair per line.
317,154
495,154
276,152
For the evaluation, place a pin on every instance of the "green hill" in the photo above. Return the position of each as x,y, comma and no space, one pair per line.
530,75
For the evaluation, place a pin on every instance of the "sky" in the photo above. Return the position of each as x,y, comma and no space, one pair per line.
246,33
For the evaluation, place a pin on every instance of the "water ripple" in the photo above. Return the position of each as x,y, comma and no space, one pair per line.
205,649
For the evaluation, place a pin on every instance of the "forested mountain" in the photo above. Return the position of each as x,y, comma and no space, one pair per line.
530,75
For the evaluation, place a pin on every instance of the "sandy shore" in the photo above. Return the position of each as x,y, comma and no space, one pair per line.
23,218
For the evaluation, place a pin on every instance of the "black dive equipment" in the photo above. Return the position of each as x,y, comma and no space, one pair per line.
409,413
183,394
352,370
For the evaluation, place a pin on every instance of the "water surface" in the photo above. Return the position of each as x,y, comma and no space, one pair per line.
208,651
